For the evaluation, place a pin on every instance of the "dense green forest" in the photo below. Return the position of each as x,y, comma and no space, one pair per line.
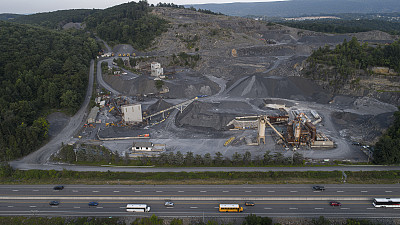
56,19
129,23
40,69
345,26
387,149
9,16
350,57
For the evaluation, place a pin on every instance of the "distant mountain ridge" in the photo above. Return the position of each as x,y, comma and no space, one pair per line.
295,8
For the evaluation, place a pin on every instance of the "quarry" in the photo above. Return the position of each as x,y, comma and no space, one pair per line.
227,84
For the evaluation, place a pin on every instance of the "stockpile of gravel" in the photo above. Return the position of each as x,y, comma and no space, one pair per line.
158,106
295,88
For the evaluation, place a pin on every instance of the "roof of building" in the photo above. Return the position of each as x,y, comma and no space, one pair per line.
142,144
93,113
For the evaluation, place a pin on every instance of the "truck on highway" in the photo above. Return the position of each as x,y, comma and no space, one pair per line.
137,208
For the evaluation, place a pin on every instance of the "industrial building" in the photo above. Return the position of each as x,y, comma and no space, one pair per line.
132,113
156,70
92,115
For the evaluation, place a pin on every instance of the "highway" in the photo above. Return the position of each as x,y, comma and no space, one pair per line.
198,200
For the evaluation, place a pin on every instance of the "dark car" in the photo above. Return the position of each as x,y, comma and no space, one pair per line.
93,204
249,204
318,188
335,203
54,203
58,187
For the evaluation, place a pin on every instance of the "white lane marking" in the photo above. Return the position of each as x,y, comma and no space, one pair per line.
77,207
158,191
115,191
247,191
267,208
203,191
370,208
122,207
99,207
95,191
318,208
293,191
293,208
344,208
138,191
364,191
10,206
339,191
181,191
75,191
225,191
35,190
15,190
216,207
54,206
32,206
194,207
388,191
169,207
271,191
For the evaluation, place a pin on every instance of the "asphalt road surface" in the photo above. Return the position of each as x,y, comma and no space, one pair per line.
199,200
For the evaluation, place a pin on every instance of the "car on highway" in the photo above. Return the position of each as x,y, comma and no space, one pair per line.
170,204
93,204
58,187
318,188
335,203
52,203
249,204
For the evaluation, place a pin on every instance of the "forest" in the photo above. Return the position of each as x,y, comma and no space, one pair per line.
56,19
348,58
40,70
387,149
129,23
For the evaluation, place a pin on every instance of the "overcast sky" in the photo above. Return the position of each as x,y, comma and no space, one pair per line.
34,6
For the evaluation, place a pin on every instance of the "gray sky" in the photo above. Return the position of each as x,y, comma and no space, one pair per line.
34,6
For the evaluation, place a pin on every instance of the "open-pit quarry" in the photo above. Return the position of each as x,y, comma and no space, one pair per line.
249,75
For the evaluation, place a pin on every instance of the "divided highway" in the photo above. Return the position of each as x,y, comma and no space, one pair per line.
198,200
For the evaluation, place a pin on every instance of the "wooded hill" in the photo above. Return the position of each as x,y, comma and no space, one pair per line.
129,23
40,69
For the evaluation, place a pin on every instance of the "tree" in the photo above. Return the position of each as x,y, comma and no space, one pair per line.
237,158
179,160
321,221
247,158
267,158
218,159
207,159
256,220
198,160
189,159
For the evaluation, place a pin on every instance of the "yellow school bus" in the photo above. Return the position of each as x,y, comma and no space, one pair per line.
230,208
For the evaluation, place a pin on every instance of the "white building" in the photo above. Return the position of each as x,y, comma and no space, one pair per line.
92,115
142,146
156,69
132,113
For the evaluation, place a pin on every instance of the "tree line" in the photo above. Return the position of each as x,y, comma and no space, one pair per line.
345,26
348,59
100,154
40,70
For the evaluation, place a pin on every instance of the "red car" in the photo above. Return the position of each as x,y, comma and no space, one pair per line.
335,203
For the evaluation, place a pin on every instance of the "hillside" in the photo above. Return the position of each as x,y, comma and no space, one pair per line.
56,19
40,70
129,23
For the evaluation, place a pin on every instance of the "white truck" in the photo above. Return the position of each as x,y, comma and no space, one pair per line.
137,208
